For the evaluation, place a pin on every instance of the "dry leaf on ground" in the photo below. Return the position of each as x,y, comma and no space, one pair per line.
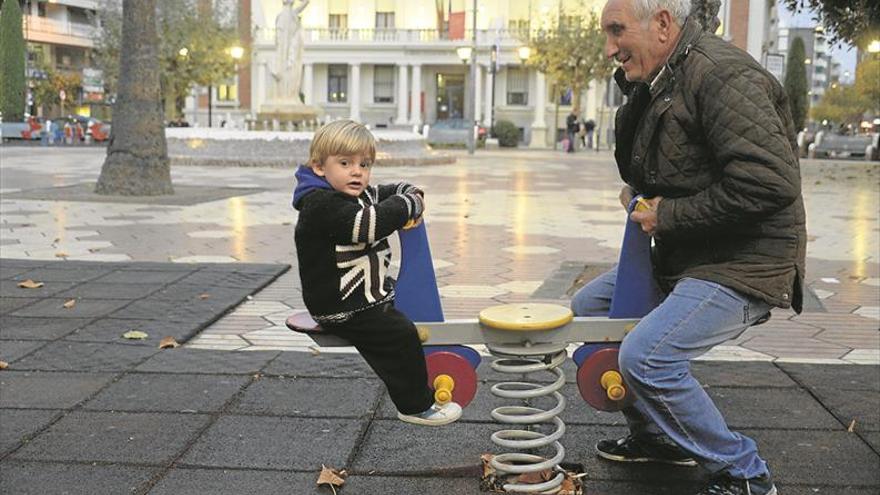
70,303
61,255
332,477
3,365
204,296
168,343
30,284
852,427
135,335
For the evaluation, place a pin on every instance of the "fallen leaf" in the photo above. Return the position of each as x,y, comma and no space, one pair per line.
30,284
167,342
204,296
70,303
135,335
315,350
332,477
3,365
94,250
852,426
61,255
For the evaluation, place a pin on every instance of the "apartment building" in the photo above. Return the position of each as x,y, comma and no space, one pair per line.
822,71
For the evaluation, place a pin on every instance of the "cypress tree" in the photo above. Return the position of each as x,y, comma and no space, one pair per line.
796,82
12,55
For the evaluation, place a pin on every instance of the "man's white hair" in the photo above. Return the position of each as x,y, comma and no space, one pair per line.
679,9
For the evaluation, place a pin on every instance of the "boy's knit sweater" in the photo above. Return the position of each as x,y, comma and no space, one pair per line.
342,245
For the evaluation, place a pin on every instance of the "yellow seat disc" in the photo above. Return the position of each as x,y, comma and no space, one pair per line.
526,317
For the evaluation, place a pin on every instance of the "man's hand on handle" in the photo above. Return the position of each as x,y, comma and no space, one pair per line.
646,216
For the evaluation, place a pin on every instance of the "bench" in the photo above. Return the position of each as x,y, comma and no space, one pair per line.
839,146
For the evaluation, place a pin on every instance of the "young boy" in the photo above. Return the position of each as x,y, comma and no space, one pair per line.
343,252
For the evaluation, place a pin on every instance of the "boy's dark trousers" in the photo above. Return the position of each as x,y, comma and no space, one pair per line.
390,344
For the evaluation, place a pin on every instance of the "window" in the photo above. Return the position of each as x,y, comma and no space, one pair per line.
227,91
337,83
384,20
565,97
517,87
338,22
383,84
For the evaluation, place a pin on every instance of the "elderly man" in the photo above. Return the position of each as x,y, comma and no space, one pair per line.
707,136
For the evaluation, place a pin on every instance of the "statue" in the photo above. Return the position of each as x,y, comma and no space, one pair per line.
289,40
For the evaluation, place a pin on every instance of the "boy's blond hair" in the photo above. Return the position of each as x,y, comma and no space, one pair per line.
342,137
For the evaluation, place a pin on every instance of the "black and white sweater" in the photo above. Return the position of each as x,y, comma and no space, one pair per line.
342,247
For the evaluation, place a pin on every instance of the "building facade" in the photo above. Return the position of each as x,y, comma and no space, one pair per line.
393,64
822,71
59,35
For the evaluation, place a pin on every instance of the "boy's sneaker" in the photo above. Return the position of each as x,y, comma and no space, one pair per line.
725,485
436,415
638,448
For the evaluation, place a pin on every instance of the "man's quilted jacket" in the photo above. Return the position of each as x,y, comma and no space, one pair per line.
713,135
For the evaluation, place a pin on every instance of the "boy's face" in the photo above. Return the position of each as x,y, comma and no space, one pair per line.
349,174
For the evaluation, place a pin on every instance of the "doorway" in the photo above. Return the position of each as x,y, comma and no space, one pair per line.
450,96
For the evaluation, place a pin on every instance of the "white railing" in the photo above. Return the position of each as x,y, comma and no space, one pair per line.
51,26
401,36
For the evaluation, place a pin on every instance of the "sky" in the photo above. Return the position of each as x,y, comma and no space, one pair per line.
845,54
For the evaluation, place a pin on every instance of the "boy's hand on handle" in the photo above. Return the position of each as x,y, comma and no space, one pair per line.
647,216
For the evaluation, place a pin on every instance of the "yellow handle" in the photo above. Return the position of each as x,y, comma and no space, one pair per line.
443,385
424,334
612,382
643,205
410,224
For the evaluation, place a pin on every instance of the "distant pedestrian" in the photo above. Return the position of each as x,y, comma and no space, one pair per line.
342,245
589,128
571,129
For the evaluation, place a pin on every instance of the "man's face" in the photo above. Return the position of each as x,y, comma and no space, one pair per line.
638,45
347,174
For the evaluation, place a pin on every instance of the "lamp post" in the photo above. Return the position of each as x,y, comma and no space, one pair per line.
235,52
493,69
472,86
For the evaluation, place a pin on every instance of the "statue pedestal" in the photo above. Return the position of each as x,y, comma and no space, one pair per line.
284,111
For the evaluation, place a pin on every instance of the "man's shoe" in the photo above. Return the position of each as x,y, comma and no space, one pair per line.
725,485
436,415
635,448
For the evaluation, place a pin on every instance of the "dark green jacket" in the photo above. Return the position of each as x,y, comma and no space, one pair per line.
715,138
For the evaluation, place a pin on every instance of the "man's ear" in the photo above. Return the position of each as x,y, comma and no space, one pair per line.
664,25
317,168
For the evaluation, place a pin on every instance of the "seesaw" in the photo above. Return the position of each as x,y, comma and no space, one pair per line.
524,339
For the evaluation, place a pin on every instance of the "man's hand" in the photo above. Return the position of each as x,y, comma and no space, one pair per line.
626,195
647,218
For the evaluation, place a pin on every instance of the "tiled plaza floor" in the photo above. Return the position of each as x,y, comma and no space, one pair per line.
503,225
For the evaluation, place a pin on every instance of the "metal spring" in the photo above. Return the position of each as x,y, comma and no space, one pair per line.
522,360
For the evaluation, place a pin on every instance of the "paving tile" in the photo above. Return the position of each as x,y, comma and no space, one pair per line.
151,392
110,330
21,424
75,356
61,273
319,397
757,375
141,277
142,438
46,390
37,478
858,408
102,290
844,377
780,408
83,308
202,311
235,482
14,327
227,279
10,288
302,364
11,304
274,443
10,350
182,360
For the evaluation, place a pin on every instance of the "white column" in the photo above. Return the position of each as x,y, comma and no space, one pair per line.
478,93
756,23
401,94
308,88
416,96
490,83
355,92
539,127
262,81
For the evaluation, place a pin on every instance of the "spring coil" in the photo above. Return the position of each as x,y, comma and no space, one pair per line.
523,360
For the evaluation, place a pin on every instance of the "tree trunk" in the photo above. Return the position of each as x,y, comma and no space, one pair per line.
137,158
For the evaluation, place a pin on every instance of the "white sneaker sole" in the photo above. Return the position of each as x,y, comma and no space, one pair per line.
620,458
427,422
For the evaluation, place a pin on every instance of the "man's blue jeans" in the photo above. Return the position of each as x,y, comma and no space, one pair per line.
655,362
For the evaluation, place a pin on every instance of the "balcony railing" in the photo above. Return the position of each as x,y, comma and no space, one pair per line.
51,26
398,36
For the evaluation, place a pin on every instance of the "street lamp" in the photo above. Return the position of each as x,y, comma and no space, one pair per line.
464,53
524,53
236,53
874,46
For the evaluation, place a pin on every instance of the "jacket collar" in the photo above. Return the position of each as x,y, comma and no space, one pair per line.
690,33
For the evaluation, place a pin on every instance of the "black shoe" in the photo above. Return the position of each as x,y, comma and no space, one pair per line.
725,485
640,449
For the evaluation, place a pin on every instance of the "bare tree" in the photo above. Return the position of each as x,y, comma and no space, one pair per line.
137,158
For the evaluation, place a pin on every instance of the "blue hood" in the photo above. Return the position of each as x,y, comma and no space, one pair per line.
306,182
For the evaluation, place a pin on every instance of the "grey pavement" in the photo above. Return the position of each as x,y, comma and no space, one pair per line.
245,406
